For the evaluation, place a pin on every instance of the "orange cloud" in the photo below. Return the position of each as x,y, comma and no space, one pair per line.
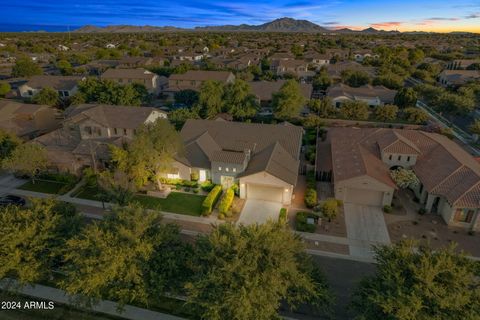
386,25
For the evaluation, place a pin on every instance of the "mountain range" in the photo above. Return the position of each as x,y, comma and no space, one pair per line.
277,25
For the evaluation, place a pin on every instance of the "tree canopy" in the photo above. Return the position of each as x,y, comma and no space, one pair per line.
109,92
25,67
354,110
288,101
27,159
210,98
47,96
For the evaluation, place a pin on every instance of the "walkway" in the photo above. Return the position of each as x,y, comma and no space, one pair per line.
104,306
259,211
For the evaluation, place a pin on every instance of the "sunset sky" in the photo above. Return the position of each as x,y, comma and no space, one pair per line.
407,15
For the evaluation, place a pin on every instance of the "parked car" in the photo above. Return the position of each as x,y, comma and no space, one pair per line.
12,200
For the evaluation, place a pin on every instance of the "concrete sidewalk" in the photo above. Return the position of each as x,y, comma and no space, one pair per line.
104,306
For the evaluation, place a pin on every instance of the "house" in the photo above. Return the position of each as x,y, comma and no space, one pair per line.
264,90
458,77
298,68
373,95
462,64
189,56
89,129
135,62
262,158
282,56
66,86
361,55
335,70
27,120
126,76
110,46
193,79
316,60
359,163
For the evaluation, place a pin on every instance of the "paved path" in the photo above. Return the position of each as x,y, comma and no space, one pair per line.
104,306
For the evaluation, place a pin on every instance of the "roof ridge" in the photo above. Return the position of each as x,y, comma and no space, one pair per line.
467,191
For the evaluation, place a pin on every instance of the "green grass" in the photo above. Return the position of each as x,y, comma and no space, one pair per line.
176,202
87,193
44,186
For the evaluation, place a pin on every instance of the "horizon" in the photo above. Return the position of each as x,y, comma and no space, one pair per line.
428,16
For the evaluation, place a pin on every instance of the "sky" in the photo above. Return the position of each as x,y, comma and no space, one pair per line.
406,15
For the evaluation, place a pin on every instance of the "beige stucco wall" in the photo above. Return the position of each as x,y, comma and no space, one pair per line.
364,182
183,170
404,161
266,179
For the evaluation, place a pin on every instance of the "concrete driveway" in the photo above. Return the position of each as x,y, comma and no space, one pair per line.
259,211
365,227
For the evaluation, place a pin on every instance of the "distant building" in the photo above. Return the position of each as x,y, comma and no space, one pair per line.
458,77
193,79
66,86
150,80
372,95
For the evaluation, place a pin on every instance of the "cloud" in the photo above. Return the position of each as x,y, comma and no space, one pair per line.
330,23
473,16
390,24
443,19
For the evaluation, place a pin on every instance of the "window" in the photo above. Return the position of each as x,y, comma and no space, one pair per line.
125,131
464,215
399,158
408,159
30,92
115,130
390,157
219,168
226,169
66,94
88,130
234,169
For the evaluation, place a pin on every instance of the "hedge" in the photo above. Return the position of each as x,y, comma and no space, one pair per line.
210,200
226,201
283,215
301,222
207,186
310,198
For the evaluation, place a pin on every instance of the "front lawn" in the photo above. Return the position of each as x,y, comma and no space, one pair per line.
87,193
176,202
51,187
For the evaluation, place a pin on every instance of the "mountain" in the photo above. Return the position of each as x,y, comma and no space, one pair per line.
125,29
277,25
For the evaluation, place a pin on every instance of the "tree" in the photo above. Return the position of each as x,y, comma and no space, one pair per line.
354,110
187,97
119,257
46,96
151,153
179,116
4,88
210,98
25,67
475,127
239,100
415,115
404,178
312,121
474,66
65,67
355,78
27,159
323,108
389,80
417,282
405,98
109,92
321,81
386,112
116,186
32,238
8,143
329,208
288,101
244,272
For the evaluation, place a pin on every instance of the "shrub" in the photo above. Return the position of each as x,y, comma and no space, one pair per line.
311,181
195,190
178,187
207,186
310,198
170,181
186,189
221,216
236,189
387,209
329,208
422,211
90,177
194,176
226,201
301,222
191,184
211,200
283,215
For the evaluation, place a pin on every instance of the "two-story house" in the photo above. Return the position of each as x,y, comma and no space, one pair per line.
66,86
89,129
358,163
298,68
150,80
262,158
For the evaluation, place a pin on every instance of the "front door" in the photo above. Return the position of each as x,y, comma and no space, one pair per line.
226,181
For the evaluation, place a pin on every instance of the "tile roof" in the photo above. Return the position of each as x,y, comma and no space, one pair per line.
367,91
202,75
139,73
264,90
55,82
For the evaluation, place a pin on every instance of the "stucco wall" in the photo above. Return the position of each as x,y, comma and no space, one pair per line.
266,179
404,161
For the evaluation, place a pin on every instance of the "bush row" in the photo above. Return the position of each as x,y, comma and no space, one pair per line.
226,202
301,222
180,182
211,200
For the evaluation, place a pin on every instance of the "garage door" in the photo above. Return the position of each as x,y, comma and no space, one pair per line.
255,191
366,197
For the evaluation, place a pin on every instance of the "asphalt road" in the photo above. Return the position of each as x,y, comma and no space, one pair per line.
343,276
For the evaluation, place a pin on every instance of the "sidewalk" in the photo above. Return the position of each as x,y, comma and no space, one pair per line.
104,306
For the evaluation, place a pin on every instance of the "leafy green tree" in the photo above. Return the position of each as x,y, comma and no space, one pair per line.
475,127
8,143
457,103
312,121
27,159
323,108
116,186
404,178
405,98
109,92
188,97
355,78
47,96
65,67
386,113
416,55
288,101
389,80
239,101
4,88
415,115
245,272
32,238
25,67
128,257
417,282
354,110
321,81
210,98
179,116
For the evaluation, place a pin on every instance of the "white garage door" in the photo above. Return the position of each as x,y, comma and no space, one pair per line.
255,191
366,197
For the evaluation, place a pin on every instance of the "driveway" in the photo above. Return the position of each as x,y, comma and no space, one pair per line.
365,227
259,211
